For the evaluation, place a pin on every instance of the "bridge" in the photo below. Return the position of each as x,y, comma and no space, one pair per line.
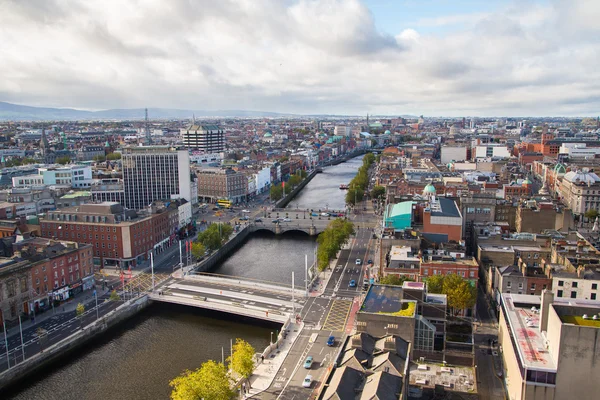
269,301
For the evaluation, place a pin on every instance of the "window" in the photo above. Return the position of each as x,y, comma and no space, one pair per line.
574,284
533,286
593,296
559,293
520,285
508,284
594,286
573,294
561,283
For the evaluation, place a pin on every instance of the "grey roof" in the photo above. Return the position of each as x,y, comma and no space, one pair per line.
343,384
435,237
360,356
400,345
382,386
365,342
449,208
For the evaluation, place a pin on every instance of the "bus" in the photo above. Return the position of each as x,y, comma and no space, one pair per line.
224,203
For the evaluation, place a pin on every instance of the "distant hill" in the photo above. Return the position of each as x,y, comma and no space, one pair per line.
15,112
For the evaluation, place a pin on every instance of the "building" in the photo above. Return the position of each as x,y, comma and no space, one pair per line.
403,261
153,173
550,347
59,269
453,154
398,216
537,216
582,284
119,237
206,138
76,176
442,216
218,183
89,153
491,151
15,289
580,191
445,264
110,190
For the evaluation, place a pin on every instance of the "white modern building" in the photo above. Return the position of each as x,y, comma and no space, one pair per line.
77,176
201,158
206,138
578,150
342,130
185,213
491,150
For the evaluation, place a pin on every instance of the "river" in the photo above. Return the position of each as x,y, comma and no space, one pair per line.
137,359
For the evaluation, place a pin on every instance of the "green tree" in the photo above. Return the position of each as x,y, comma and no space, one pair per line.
198,250
276,192
394,280
435,284
209,382
80,310
461,295
378,192
591,214
63,160
241,360
114,296
354,195
331,240
215,235
113,156
100,158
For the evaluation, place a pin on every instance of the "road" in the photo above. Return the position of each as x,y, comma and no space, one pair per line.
58,327
331,314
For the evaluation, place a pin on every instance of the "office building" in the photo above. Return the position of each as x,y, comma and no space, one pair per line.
206,138
153,173
580,191
550,347
217,183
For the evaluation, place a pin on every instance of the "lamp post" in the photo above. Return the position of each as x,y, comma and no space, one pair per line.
271,338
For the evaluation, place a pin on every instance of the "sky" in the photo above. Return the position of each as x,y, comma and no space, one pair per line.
420,57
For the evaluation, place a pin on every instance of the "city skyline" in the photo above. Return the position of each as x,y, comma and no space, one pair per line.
305,57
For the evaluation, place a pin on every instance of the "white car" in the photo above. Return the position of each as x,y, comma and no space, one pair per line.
245,211
358,261
307,381
287,220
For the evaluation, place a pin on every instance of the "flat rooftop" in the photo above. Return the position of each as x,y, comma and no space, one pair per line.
383,299
524,323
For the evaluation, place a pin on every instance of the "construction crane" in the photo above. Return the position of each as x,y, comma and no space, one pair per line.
147,129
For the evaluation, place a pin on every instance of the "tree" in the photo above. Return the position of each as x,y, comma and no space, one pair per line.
114,296
276,192
354,195
209,382
378,192
331,240
435,284
113,156
591,214
461,295
241,360
198,250
394,280
63,160
80,310
100,158
213,237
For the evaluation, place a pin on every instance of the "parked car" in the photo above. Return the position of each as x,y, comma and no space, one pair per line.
370,262
308,362
257,219
244,218
307,381
324,214
275,221
331,341
286,220
352,283
358,261
245,211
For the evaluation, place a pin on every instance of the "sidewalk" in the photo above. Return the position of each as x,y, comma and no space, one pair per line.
87,298
266,371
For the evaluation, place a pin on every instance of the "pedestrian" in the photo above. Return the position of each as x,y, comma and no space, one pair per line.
244,388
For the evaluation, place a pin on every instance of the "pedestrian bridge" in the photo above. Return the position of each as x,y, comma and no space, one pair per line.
254,299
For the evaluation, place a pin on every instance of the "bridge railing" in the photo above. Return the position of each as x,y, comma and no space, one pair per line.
243,281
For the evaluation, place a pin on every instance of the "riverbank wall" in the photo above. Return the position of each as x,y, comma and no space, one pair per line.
73,342
285,201
227,249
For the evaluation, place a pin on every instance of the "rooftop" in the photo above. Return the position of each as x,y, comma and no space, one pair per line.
579,320
448,208
387,299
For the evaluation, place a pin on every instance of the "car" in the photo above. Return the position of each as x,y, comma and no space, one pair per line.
257,219
352,283
286,220
370,262
358,261
244,218
275,221
331,341
324,214
215,208
307,381
308,362
245,211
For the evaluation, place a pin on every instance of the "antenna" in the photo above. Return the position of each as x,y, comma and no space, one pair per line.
147,128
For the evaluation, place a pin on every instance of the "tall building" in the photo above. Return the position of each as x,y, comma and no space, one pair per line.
155,173
206,138
217,183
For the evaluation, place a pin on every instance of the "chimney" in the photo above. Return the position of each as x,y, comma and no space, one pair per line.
580,271
547,300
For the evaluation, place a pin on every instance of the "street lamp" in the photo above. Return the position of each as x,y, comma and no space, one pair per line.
271,337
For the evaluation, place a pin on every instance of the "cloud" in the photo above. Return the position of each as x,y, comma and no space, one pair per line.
300,56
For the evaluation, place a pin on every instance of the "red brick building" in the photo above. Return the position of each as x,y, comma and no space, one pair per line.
442,216
60,269
119,237
467,267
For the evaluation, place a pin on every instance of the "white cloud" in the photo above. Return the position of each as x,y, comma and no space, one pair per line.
299,56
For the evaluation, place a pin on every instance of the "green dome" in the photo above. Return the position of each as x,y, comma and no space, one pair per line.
527,182
268,134
387,132
429,189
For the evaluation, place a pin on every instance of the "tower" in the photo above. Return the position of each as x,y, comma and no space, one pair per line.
44,145
147,128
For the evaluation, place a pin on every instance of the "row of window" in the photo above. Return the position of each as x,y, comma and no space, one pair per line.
575,284
560,293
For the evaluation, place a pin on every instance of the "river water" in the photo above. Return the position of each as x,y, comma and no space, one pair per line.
137,359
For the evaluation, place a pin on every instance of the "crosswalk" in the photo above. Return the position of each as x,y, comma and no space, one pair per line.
143,282
337,316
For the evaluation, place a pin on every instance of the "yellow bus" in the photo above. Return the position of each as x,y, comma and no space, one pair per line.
224,203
